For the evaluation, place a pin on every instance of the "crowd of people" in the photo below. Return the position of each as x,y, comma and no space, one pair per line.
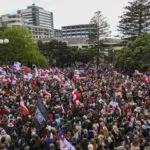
94,108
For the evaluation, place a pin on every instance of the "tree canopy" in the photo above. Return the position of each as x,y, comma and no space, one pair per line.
135,54
98,27
57,52
98,31
22,47
135,19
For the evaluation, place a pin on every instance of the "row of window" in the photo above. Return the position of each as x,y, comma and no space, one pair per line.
74,27
38,14
45,13
67,31
67,34
47,19
44,20
46,33
45,24
14,21
81,46
73,30
39,30
41,37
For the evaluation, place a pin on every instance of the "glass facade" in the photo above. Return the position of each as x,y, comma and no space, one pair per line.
75,30
37,16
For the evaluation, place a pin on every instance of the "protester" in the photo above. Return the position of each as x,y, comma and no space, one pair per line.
74,108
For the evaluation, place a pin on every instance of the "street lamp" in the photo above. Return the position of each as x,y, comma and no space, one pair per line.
4,41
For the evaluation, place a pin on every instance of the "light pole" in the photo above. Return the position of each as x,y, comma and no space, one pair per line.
4,41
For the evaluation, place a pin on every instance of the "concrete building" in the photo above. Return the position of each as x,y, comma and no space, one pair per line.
33,18
9,20
37,16
40,33
57,33
75,31
76,35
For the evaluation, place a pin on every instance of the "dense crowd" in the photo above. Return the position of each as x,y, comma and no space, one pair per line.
112,111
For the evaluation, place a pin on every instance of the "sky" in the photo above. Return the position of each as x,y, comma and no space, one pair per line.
70,12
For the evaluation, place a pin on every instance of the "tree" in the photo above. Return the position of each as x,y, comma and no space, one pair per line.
57,50
98,31
136,18
22,47
84,55
135,54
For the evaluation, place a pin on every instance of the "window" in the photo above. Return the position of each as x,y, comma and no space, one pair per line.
84,46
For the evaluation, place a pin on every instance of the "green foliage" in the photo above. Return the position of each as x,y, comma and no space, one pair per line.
64,55
98,27
135,54
98,30
92,32
57,50
84,55
136,18
22,47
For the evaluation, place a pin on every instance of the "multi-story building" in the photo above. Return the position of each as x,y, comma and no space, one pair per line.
72,31
33,18
57,33
37,16
9,20
40,33
76,35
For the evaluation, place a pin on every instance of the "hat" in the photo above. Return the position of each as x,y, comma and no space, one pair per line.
52,145
101,119
11,125
3,132
77,128
138,109
51,116
84,117
144,127
90,147
58,99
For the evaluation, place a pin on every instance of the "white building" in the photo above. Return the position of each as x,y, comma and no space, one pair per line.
9,20
76,35
75,31
33,18
37,16
40,33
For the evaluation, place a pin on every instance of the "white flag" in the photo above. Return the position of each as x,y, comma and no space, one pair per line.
65,145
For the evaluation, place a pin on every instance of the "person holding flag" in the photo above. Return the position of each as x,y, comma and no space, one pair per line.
76,97
23,107
65,144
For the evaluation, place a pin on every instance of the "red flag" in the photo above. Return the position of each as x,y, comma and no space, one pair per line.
145,78
137,73
23,107
5,81
76,96
26,69
47,93
116,73
119,90
76,77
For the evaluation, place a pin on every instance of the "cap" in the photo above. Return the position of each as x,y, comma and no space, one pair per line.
11,125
